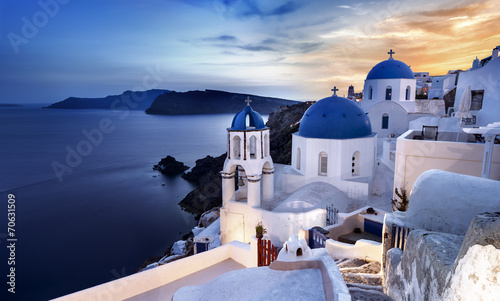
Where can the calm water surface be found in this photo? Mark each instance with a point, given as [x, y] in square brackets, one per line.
[107, 211]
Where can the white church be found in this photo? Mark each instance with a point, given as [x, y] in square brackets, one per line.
[333, 162]
[389, 98]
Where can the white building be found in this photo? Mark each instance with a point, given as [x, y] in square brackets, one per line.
[389, 98]
[248, 159]
[453, 151]
[484, 83]
[335, 144]
[436, 90]
[390, 80]
[334, 155]
[424, 82]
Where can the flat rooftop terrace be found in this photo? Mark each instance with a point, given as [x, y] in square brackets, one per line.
[167, 291]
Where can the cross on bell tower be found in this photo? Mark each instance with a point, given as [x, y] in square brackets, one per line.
[391, 53]
[248, 100]
[335, 90]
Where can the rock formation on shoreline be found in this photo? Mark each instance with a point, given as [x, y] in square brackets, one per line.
[170, 166]
[208, 191]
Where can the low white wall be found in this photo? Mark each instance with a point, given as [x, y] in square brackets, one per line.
[349, 221]
[414, 157]
[139, 283]
[280, 225]
[346, 225]
[363, 249]
[447, 202]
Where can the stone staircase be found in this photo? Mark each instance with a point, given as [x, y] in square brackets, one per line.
[363, 279]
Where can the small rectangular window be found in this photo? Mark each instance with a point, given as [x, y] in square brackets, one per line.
[323, 165]
[385, 122]
[476, 100]
[388, 94]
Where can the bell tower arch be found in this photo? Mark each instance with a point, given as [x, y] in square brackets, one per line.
[248, 171]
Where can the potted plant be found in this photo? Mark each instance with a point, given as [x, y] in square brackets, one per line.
[260, 230]
[402, 203]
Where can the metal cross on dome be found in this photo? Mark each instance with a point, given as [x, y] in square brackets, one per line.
[335, 90]
[391, 53]
[248, 100]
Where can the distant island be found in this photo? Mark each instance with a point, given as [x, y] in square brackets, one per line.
[166, 102]
[128, 100]
[212, 102]
[9, 105]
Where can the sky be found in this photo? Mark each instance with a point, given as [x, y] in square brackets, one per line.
[54, 49]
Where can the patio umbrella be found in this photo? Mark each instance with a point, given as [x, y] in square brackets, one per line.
[464, 106]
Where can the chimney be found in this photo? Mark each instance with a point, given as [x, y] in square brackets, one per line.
[494, 53]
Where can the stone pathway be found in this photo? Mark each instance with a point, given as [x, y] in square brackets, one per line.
[363, 279]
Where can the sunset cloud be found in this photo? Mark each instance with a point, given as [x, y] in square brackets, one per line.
[281, 48]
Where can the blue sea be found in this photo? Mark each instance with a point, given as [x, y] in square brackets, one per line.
[88, 206]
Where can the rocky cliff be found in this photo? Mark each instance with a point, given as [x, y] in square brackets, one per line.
[282, 124]
[212, 102]
[208, 191]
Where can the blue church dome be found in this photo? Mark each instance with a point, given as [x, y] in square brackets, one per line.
[240, 120]
[390, 68]
[335, 118]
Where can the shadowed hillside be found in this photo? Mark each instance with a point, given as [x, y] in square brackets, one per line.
[212, 102]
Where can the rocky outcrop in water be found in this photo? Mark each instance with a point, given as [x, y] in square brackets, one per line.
[170, 166]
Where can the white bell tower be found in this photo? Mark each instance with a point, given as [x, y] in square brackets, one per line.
[248, 172]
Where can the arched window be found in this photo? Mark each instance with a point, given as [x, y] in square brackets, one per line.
[355, 164]
[370, 92]
[408, 91]
[247, 121]
[298, 158]
[323, 164]
[385, 121]
[240, 179]
[388, 93]
[236, 147]
[253, 147]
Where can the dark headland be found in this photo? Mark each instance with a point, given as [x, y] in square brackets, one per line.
[166, 102]
[212, 102]
[128, 100]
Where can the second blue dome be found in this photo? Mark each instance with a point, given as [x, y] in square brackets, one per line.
[335, 118]
[390, 68]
